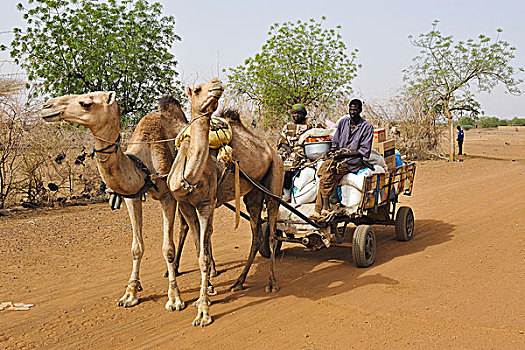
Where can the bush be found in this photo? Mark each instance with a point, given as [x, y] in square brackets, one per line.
[488, 122]
[466, 121]
[517, 122]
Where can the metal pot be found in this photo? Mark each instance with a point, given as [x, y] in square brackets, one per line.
[314, 150]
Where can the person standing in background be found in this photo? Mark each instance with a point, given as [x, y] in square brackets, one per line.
[460, 138]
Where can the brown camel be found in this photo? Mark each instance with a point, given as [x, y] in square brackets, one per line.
[128, 173]
[194, 177]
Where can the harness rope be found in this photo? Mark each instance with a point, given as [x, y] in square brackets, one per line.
[116, 198]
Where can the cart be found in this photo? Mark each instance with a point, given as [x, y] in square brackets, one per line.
[380, 196]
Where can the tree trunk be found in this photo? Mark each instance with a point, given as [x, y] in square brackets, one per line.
[447, 113]
[451, 128]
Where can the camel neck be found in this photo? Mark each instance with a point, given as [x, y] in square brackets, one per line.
[118, 171]
[107, 139]
[199, 149]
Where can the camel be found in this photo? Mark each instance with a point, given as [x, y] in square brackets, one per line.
[128, 173]
[194, 176]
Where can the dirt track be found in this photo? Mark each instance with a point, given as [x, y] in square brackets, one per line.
[460, 283]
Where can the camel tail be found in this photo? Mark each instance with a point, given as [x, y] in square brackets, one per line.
[230, 114]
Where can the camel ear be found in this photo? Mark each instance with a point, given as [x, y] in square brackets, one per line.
[188, 91]
[111, 97]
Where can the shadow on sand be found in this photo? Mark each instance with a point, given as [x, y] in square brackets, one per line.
[328, 272]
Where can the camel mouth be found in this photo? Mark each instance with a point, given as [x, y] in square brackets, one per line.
[51, 116]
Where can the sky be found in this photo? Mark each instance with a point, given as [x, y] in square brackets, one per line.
[222, 34]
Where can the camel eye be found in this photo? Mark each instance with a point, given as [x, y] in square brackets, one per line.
[85, 105]
[197, 90]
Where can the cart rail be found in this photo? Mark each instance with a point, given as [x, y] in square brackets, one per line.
[379, 189]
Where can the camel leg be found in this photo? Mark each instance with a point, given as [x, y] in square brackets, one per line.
[273, 210]
[205, 215]
[253, 201]
[169, 206]
[213, 269]
[274, 182]
[130, 298]
[183, 232]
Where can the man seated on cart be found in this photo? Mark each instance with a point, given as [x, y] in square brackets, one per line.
[288, 144]
[351, 143]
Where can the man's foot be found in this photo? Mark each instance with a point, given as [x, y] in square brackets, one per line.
[326, 213]
[315, 216]
[323, 215]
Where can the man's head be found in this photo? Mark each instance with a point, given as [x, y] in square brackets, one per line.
[354, 108]
[298, 113]
[459, 127]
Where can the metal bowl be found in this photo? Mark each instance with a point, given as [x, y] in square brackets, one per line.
[314, 150]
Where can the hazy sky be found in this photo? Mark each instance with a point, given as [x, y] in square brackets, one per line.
[222, 34]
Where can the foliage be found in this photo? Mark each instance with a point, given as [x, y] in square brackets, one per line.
[79, 46]
[517, 122]
[466, 121]
[448, 72]
[301, 62]
[488, 122]
[491, 122]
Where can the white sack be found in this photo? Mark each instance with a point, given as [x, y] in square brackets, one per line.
[352, 187]
[304, 177]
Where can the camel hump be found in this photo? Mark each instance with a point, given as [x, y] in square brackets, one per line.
[167, 103]
[230, 114]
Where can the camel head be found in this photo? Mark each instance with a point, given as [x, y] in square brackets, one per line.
[205, 97]
[96, 110]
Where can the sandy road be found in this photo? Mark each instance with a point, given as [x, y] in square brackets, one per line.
[460, 283]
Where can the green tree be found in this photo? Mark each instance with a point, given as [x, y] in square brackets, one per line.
[466, 120]
[448, 72]
[517, 121]
[78, 46]
[489, 122]
[301, 62]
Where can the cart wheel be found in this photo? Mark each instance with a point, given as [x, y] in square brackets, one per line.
[364, 245]
[404, 224]
[264, 248]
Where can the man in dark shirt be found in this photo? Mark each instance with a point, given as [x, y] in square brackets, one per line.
[351, 143]
[461, 135]
[288, 146]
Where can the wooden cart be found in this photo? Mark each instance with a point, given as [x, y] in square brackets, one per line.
[378, 207]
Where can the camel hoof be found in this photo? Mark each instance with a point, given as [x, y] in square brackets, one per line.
[202, 321]
[211, 290]
[271, 288]
[177, 305]
[237, 287]
[127, 301]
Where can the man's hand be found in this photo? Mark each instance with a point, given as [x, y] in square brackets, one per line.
[344, 153]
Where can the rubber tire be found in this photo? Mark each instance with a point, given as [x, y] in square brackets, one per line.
[404, 224]
[264, 248]
[364, 245]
